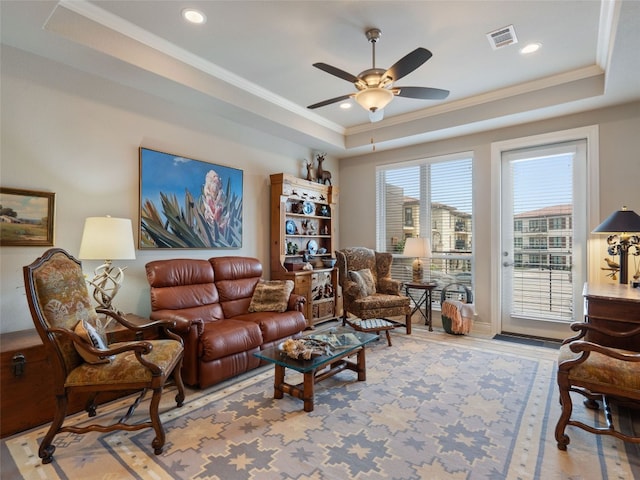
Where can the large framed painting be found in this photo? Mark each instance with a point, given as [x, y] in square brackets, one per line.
[187, 203]
[26, 217]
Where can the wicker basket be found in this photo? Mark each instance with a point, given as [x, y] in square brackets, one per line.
[458, 292]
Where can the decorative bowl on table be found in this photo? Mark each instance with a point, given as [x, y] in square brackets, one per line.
[329, 262]
[304, 348]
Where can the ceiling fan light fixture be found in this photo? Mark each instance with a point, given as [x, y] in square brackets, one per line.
[374, 99]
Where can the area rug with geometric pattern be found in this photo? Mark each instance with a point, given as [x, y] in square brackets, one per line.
[433, 406]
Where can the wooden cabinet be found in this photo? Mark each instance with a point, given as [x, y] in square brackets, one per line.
[302, 215]
[26, 392]
[616, 307]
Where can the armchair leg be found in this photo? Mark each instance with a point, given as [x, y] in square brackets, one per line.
[567, 407]
[177, 377]
[158, 442]
[90, 407]
[45, 452]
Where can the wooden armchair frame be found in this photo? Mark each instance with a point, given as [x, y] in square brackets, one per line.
[572, 377]
[154, 362]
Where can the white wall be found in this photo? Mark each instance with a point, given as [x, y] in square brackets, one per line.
[619, 138]
[77, 135]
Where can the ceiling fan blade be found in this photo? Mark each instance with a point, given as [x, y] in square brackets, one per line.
[330, 101]
[424, 93]
[337, 72]
[408, 64]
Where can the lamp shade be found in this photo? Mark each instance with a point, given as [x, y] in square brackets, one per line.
[374, 99]
[620, 221]
[107, 238]
[417, 247]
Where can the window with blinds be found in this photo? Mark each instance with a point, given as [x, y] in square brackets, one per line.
[431, 198]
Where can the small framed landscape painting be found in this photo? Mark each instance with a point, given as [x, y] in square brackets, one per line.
[187, 203]
[26, 217]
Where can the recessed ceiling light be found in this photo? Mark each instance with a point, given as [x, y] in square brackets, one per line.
[193, 16]
[530, 48]
[345, 105]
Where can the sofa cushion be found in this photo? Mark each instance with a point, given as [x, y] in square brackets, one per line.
[179, 284]
[271, 296]
[276, 326]
[226, 337]
[236, 279]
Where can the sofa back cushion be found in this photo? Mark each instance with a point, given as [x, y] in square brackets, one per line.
[236, 279]
[186, 285]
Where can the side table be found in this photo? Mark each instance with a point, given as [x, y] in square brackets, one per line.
[425, 290]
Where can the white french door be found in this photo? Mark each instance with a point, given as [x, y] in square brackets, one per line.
[543, 238]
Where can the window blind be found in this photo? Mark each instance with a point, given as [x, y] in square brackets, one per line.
[430, 198]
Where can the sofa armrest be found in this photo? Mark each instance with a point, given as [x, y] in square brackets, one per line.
[296, 302]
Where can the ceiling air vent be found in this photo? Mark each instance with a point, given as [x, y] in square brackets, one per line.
[502, 37]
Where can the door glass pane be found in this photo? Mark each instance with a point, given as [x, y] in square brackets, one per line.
[542, 206]
[543, 225]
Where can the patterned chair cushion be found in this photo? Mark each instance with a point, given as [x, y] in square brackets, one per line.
[365, 281]
[601, 369]
[125, 368]
[271, 296]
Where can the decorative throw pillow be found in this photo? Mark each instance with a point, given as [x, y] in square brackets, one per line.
[364, 279]
[271, 296]
[90, 335]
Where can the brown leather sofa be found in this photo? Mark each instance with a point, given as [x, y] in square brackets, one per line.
[209, 301]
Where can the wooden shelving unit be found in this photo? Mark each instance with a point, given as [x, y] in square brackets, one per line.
[302, 215]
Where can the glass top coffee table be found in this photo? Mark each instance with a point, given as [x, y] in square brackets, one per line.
[342, 344]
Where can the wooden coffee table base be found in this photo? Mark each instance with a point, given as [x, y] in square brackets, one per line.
[306, 390]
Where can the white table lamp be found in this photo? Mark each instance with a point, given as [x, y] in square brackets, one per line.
[419, 248]
[107, 239]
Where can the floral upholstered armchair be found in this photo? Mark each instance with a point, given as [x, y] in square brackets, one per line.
[368, 291]
[81, 360]
[600, 372]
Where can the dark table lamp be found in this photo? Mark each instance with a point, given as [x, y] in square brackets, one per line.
[620, 225]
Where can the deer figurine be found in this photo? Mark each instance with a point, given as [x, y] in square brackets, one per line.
[309, 171]
[323, 176]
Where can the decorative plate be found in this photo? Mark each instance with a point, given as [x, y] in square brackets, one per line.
[290, 227]
[308, 208]
[312, 247]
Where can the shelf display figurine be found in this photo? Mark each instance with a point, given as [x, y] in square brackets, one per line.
[310, 172]
[323, 176]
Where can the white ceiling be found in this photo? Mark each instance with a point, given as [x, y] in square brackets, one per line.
[252, 60]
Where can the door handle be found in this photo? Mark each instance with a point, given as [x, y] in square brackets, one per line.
[508, 264]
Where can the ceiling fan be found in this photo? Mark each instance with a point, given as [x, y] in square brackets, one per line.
[375, 85]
